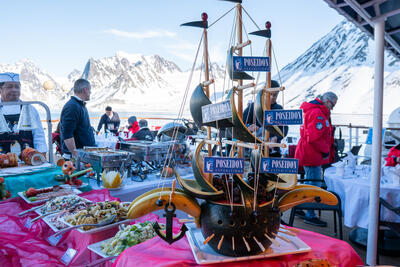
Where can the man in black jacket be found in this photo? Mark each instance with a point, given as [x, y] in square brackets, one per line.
[144, 133]
[254, 126]
[110, 120]
[76, 131]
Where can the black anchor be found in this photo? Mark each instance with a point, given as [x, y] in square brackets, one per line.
[168, 236]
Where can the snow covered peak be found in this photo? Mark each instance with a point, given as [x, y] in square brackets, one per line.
[131, 57]
[343, 62]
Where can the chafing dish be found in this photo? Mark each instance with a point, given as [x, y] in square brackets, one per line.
[101, 158]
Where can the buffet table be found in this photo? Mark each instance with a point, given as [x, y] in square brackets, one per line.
[20, 246]
[37, 179]
[353, 189]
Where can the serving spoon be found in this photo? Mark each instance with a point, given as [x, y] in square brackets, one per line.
[99, 224]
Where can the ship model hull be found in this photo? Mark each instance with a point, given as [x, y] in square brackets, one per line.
[243, 232]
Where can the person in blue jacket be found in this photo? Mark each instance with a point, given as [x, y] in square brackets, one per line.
[76, 131]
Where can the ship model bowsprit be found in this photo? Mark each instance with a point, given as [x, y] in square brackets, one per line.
[240, 205]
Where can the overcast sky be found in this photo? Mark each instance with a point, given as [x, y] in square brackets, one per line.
[62, 35]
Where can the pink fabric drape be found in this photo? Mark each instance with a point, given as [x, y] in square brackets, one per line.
[157, 253]
[22, 247]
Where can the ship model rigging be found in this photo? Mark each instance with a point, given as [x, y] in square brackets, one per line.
[239, 210]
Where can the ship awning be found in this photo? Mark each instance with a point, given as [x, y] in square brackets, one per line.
[364, 13]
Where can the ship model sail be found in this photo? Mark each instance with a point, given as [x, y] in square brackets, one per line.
[240, 205]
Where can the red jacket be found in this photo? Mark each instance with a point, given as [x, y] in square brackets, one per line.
[393, 154]
[316, 135]
[134, 128]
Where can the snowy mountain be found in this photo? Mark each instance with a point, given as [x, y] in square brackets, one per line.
[341, 61]
[32, 78]
[125, 81]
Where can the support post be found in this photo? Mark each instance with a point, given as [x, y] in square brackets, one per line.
[372, 245]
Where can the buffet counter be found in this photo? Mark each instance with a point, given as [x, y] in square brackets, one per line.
[37, 179]
[20, 246]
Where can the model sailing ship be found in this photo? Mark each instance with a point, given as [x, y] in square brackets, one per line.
[240, 211]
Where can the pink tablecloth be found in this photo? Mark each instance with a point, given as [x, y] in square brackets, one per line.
[157, 253]
[22, 247]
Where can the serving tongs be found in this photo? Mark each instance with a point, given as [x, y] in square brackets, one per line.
[44, 215]
[31, 209]
[35, 208]
[102, 223]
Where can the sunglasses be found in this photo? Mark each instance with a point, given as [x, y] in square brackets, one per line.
[331, 103]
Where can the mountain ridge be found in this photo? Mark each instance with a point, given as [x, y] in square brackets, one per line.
[341, 61]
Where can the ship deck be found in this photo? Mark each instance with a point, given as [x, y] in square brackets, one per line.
[329, 231]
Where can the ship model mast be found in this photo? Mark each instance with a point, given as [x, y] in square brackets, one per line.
[240, 216]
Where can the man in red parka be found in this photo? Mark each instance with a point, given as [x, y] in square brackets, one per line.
[315, 147]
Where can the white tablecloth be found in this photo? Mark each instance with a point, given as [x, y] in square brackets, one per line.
[102, 141]
[354, 193]
[131, 189]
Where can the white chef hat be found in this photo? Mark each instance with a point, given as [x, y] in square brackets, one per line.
[9, 77]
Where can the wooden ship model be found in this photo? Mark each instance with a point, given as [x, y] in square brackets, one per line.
[238, 211]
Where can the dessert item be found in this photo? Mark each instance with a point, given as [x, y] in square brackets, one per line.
[32, 157]
[8, 160]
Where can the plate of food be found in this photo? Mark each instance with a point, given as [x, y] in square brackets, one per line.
[126, 237]
[35, 196]
[53, 220]
[96, 213]
[204, 254]
[63, 203]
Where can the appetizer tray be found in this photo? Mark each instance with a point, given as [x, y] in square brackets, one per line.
[98, 229]
[96, 248]
[40, 212]
[204, 254]
[24, 169]
[51, 224]
[21, 194]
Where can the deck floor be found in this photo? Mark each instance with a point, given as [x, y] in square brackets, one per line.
[329, 231]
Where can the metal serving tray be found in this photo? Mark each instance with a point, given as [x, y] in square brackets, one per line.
[104, 158]
[146, 150]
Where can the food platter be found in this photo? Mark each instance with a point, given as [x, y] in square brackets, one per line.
[96, 248]
[125, 238]
[40, 212]
[98, 229]
[204, 254]
[24, 169]
[27, 200]
[51, 224]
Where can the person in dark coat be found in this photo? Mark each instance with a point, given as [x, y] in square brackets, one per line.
[254, 125]
[110, 120]
[76, 131]
[144, 133]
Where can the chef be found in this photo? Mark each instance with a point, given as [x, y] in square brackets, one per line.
[12, 138]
